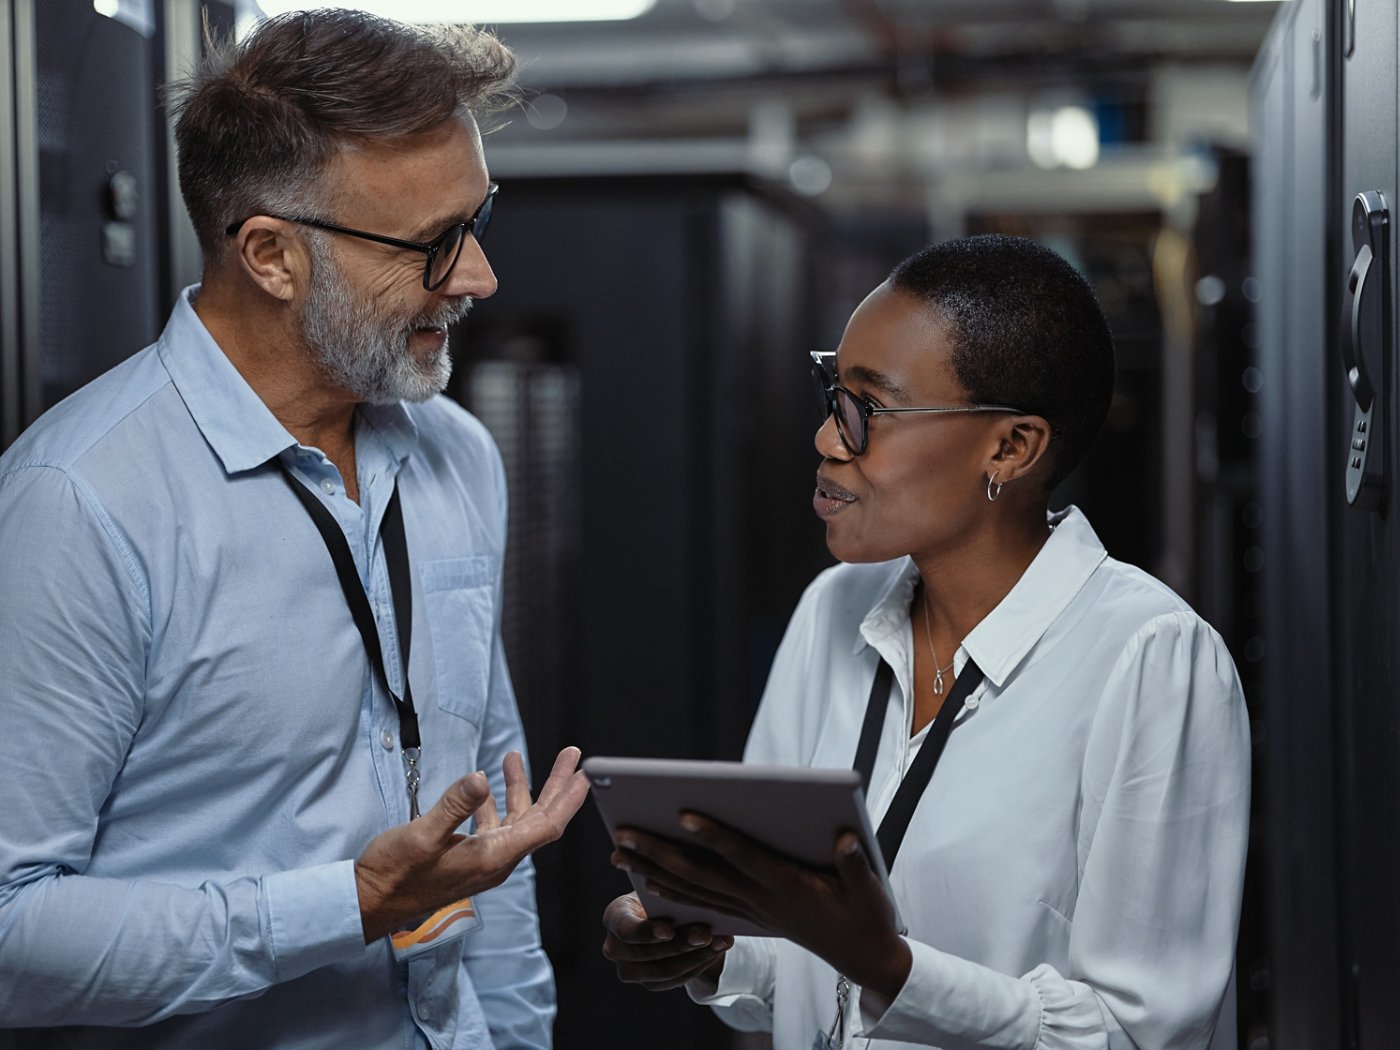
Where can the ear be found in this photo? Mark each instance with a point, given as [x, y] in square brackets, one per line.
[273, 257]
[1023, 445]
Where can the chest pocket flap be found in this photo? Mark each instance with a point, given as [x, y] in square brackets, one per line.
[459, 595]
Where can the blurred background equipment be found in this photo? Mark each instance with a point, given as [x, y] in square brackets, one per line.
[694, 194]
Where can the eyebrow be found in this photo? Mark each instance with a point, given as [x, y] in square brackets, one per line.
[878, 380]
[434, 227]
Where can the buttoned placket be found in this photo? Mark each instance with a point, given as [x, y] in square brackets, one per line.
[360, 524]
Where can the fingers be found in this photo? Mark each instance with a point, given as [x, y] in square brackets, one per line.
[458, 803]
[626, 919]
[863, 886]
[517, 785]
[567, 799]
[742, 852]
[662, 974]
[853, 865]
[565, 763]
[674, 864]
[711, 902]
[488, 816]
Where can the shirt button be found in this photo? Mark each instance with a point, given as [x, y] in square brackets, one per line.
[329, 487]
[425, 1010]
[972, 703]
[387, 739]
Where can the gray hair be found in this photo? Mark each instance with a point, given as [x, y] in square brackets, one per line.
[257, 123]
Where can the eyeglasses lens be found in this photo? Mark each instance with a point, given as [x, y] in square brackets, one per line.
[441, 263]
[482, 218]
[821, 387]
[850, 420]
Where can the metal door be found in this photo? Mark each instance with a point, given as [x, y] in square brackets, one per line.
[1363, 502]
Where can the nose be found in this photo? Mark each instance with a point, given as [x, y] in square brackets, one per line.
[828, 441]
[472, 276]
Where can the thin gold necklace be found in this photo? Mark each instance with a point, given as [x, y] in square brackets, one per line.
[928, 635]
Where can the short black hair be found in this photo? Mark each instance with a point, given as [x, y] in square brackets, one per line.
[1027, 330]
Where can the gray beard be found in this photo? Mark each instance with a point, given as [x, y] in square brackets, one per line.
[364, 351]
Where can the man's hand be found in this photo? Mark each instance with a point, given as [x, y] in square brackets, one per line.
[410, 871]
[649, 953]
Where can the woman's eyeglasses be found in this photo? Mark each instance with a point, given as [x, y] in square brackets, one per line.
[853, 413]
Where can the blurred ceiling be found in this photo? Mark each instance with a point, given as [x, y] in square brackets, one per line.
[914, 44]
[925, 104]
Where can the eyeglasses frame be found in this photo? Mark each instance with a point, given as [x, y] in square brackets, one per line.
[481, 216]
[824, 374]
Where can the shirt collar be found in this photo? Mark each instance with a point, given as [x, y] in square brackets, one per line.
[1001, 641]
[241, 430]
[395, 427]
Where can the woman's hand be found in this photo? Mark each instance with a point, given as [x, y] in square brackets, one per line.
[655, 954]
[845, 918]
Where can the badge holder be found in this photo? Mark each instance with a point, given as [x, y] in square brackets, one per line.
[442, 926]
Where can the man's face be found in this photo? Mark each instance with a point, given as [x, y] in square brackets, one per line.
[367, 320]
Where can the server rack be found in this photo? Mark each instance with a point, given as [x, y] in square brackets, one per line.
[654, 330]
[1325, 96]
[85, 241]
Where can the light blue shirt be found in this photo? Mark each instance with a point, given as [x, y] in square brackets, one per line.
[194, 746]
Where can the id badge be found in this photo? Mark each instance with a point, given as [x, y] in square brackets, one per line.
[445, 924]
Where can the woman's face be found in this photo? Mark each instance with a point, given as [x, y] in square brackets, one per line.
[919, 487]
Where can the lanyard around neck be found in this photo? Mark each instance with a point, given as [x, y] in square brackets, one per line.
[391, 533]
[896, 820]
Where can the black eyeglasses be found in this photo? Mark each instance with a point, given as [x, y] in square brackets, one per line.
[442, 251]
[853, 413]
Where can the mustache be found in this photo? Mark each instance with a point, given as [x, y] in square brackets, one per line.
[447, 314]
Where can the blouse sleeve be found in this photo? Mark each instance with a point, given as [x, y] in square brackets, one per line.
[1163, 833]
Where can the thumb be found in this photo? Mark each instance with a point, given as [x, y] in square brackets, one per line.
[852, 864]
[458, 803]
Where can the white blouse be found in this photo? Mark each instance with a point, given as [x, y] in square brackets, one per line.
[1072, 875]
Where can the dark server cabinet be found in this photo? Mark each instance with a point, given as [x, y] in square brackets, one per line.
[1326, 192]
[1301, 972]
[1366, 534]
[644, 369]
[79, 187]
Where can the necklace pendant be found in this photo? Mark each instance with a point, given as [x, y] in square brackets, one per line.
[937, 682]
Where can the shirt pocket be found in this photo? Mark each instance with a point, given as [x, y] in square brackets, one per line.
[459, 595]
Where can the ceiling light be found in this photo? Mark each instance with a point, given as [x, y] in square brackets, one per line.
[1066, 137]
[489, 12]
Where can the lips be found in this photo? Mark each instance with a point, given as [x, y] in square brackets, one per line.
[830, 498]
[828, 489]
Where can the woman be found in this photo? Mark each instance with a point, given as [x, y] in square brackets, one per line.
[1071, 873]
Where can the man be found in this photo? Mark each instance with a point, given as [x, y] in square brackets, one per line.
[206, 839]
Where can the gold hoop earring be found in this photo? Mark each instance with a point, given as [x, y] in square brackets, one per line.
[994, 487]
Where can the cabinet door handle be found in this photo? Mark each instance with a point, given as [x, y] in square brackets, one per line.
[1365, 343]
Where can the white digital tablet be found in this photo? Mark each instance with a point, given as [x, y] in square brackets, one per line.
[795, 811]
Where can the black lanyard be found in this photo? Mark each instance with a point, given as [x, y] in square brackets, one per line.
[391, 532]
[911, 788]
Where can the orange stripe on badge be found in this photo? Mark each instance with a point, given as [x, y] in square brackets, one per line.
[436, 923]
